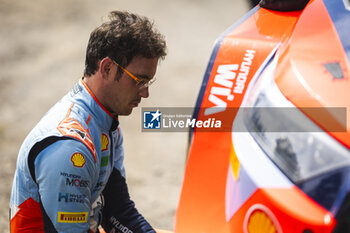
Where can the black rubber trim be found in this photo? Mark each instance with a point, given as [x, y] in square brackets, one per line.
[284, 5]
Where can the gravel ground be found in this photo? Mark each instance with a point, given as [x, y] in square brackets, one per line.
[42, 49]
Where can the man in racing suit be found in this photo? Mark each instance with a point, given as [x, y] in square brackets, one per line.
[70, 175]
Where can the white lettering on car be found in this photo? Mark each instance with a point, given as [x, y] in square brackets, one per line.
[226, 80]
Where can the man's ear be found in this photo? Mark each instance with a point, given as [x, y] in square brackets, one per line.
[105, 67]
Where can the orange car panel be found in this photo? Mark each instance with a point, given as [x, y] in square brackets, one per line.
[302, 76]
[202, 202]
[306, 40]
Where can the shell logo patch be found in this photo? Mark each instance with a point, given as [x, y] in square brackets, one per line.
[260, 219]
[78, 160]
[104, 142]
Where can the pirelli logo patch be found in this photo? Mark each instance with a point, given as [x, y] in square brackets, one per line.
[72, 217]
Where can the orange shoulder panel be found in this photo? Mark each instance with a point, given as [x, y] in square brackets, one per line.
[70, 127]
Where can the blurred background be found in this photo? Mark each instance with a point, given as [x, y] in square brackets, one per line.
[42, 52]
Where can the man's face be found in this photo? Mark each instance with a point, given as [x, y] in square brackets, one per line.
[122, 95]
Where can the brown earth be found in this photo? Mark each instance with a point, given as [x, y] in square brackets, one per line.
[42, 47]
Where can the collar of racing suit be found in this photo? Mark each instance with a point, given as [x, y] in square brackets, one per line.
[106, 119]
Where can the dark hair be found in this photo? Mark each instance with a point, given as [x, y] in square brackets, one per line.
[123, 37]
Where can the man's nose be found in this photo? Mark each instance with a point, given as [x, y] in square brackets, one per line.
[143, 92]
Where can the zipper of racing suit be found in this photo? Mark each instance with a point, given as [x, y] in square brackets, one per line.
[98, 220]
[114, 126]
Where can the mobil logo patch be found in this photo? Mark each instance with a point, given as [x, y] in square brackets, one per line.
[77, 182]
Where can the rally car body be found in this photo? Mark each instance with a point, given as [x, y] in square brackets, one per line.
[247, 179]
